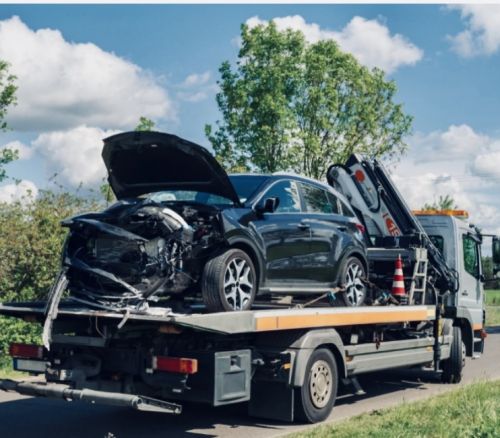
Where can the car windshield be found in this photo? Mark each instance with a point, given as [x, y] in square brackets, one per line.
[190, 196]
[246, 185]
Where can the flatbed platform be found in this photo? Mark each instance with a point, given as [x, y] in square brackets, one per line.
[251, 321]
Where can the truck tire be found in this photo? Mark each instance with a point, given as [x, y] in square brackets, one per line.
[350, 277]
[229, 282]
[314, 400]
[453, 366]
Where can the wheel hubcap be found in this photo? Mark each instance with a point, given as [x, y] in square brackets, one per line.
[238, 283]
[320, 384]
[355, 288]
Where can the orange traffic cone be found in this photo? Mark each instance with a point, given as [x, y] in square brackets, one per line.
[398, 284]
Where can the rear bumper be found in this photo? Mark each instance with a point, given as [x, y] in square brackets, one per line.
[63, 392]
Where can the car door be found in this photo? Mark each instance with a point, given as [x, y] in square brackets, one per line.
[471, 291]
[328, 227]
[285, 236]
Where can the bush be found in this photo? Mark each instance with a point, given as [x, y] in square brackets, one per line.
[31, 240]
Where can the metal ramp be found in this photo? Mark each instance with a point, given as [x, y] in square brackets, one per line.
[419, 279]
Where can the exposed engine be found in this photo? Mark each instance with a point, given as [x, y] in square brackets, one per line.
[136, 252]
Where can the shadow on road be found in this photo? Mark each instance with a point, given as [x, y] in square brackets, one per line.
[50, 418]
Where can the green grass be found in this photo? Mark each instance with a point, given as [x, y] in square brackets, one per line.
[471, 411]
[492, 315]
[492, 297]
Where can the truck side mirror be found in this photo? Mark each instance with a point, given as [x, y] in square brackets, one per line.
[496, 254]
[269, 205]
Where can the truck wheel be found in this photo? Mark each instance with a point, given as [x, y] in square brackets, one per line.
[229, 282]
[314, 400]
[351, 277]
[453, 366]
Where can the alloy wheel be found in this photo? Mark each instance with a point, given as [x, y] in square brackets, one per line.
[355, 288]
[238, 283]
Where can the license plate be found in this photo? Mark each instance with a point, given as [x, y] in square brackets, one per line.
[33, 366]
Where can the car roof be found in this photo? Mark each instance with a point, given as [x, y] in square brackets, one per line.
[286, 175]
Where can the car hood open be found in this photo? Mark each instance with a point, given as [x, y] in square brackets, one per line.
[141, 162]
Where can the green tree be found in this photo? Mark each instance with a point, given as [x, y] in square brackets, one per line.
[7, 98]
[290, 105]
[145, 124]
[443, 203]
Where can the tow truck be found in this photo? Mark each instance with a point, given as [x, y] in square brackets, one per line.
[285, 360]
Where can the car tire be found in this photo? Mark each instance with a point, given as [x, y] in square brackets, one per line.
[229, 282]
[453, 366]
[351, 274]
[314, 400]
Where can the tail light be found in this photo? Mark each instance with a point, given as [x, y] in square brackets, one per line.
[175, 364]
[26, 351]
[360, 228]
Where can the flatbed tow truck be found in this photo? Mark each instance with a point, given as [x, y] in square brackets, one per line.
[285, 360]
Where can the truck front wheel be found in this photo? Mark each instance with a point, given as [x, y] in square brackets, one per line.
[314, 400]
[453, 366]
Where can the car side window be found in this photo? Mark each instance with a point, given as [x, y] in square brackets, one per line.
[471, 260]
[316, 200]
[346, 211]
[288, 194]
[334, 202]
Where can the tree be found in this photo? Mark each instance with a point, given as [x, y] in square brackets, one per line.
[291, 105]
[145, 124]
[443, 203]
[7, 98]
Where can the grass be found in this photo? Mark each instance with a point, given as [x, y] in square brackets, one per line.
[471, 411]
[6, 371]
[492, 297]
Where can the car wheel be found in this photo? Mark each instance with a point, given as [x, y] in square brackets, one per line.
[352, 276]
[314, 400]
[229, 282]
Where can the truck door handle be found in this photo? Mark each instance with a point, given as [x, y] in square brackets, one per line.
[304, 226]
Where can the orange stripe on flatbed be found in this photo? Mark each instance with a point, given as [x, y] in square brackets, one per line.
[279, 322]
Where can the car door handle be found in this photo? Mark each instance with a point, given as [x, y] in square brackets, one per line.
[342, 228]
[304, 226]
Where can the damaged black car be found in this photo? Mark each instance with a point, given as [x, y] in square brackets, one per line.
[182, 227]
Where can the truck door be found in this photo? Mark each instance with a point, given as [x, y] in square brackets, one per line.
[471, 288]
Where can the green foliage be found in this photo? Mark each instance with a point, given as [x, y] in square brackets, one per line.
[31, 241]
[145, 124]
[491, 281]
[471, 411]
[7, 98]
[16, 330]
[290, 105]
[443, 203]
[7, 92]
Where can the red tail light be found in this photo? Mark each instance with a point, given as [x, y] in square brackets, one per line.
[175, 364]
[26, 351]
[360, 228]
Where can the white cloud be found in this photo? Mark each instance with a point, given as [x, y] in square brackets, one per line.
[23, 191]
[196, 79]
[64, 84]
[482, 30]
[368, 40]
[75, 155]
[459, 162]
[24, 152]
[457, 142]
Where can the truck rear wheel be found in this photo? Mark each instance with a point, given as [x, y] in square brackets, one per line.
[453, 366]
[229, 282]
[314, 400]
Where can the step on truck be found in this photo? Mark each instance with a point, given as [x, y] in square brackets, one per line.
[285, 360]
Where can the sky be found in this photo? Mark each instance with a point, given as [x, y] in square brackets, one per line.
[88, 71]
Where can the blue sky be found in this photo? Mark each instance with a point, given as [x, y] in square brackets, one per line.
[110, 63]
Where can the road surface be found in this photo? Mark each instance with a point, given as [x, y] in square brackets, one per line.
[31, 417]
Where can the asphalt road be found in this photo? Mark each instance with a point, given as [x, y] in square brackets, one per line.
[31, 417]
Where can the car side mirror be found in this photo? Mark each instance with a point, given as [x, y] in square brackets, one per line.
[496, 254]
[269, 205]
